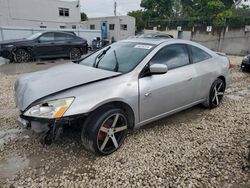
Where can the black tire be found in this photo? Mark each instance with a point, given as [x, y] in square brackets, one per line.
[46, 139]
[22, 56]
[75, 54]
[99, 136]
[216, 94]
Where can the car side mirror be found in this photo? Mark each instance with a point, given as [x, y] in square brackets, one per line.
[158, 69]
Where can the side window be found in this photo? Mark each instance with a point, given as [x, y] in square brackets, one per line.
[47, 37]
[198, 54]
[173, 56]
[62, 36]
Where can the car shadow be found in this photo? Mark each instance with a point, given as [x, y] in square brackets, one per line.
[185, 116]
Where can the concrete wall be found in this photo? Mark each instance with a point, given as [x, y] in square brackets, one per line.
[7, 33]
[233, 41]
[227, 40]
[117, 33]
[34, 13]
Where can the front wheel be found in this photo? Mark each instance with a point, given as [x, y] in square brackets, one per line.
[105, 130]
[22, 56]
[216, 94]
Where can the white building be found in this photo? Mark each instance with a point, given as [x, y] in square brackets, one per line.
[40, 13]
[242, 2]
[118, 27]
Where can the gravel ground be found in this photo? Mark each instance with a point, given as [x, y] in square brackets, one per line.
[194, 148]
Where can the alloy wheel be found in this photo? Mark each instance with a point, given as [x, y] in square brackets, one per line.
[75, 54]
[218, 93]
[22, 56]
[112, 133]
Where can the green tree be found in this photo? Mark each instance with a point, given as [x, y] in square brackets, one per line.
[158, 8]
[83, 16]
[189, 12]
[139, 16]
[214, 11]
[228, 3]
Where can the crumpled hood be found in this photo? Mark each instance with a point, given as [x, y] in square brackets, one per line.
[33, 86]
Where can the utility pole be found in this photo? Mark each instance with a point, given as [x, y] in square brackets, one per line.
[115, 6]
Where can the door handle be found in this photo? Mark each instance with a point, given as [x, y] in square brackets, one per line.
[148, 94]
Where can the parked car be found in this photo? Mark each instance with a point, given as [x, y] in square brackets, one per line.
[156, 35]
[123, 86]
[245, 65]
[44, 45]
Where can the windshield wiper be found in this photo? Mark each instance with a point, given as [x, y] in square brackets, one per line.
[100, 56]
[116, 62]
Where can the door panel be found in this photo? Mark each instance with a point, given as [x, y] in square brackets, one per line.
[160, 94]
[53, 45]
[46, 46]
[204, 78]
[205, 67]
[64, 43]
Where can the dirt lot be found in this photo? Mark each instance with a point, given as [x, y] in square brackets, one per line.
[194, 148]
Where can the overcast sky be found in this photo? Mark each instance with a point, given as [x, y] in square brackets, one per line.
[99, 8]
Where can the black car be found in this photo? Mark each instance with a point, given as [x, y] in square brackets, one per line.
[44, 45]
[245, 65]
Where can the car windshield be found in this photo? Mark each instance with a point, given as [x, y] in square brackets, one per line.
[118, 57]
[34, 36]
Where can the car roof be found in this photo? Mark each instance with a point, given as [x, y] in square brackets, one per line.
[65, 32]
[158, 41]
[153, 41]
[155, 35]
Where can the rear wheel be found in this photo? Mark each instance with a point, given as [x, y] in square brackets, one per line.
[216, 94]
[75, 54]
[105, 130]
[22, 56]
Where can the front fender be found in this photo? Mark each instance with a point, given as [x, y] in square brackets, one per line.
[90, 97]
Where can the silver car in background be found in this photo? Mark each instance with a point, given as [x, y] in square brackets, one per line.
[122, 86]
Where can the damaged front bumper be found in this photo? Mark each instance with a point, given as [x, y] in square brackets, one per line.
[49, 130]
[7, 53]
[38, 125]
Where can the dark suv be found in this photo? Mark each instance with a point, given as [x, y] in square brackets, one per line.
[44, 45]
[245, 65]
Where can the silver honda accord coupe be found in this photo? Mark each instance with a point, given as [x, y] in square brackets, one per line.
[120, 87]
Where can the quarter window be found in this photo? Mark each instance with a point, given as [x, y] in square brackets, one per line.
[173, 56]
[198, 54]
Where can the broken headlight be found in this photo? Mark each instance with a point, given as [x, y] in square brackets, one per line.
[52, 109]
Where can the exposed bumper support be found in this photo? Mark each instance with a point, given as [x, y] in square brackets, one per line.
[48, 129]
